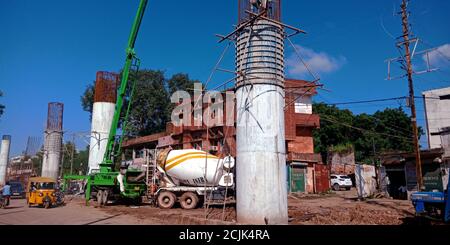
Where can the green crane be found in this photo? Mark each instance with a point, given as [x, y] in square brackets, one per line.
[109, 153]
[104, 184]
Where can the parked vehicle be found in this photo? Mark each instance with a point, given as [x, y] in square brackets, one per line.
[17, 190]
[42, 192]
[341, 181]
[182, 178]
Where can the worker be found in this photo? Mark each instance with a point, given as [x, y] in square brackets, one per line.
[6, 192]
[120, 178]
[403, 193]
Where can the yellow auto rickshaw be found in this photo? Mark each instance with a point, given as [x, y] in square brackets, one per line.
[42, 192]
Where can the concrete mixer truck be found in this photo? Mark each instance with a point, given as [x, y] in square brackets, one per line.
[190, 176]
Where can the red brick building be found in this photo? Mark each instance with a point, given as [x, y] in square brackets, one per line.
[306, 173]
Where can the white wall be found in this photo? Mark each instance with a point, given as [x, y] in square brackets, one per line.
[304, 105]
[366, 184]
[437, 114]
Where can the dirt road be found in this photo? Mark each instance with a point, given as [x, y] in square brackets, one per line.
[74, 213]
[341, 208]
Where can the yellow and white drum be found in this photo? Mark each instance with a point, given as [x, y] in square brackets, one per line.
[188, 167]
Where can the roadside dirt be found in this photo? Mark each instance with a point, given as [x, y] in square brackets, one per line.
[341, 208]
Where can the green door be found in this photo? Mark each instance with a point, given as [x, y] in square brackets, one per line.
[432, 177]
[297, 179]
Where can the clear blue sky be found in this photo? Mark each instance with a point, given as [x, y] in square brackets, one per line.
[50, 50]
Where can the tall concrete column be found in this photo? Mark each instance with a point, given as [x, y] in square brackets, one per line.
[102, 115]
[4, 157]
[53, 141]
[52, 154]
[261, 146]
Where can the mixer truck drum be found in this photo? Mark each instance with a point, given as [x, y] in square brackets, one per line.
[166, 200]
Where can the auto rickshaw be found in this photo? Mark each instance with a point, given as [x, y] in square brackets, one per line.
[42, 192]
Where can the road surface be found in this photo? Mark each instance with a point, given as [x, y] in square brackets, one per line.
[74, 213]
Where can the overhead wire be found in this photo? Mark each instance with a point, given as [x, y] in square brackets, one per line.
[336, 121]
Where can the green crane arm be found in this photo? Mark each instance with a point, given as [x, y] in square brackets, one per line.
[109, 153]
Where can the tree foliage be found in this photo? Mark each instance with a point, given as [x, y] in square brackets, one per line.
[149, 110]
[387, 130]
[87, 99]
[80, 159]
[151, 107]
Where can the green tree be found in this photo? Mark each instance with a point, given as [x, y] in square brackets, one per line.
[332, 133]
[151, 107]
[87, 99]
[149, 111]
[181, 82]
[80, 159]
[387, 130]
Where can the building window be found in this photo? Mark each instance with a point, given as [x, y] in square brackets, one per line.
[303, 105]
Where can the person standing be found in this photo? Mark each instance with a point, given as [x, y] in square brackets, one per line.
[6, 192]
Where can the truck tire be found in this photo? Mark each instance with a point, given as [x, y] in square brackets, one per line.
[99, 197]
[189, 200]
[47, 203]
[105, 197]
[166, 200]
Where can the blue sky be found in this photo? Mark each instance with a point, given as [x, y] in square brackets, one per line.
[50, 50]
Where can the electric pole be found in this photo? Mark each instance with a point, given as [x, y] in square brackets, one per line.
[71, 157]
[409, 69]
[375, 164]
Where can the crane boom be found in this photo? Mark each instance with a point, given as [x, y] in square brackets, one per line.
[130, 55]
[103, 184]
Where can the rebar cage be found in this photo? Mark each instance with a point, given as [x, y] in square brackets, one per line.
[55, 116]
[273, 9]
[106, 87]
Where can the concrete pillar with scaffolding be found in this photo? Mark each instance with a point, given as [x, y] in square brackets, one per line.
[53, 137]
[261, 148]
[4, 157]
[105, 97]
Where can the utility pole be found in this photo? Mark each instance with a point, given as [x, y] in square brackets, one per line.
[71, 154]
[61, 164]
[375, 164]
[409, 69]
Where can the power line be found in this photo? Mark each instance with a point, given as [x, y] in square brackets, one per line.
[437, 50]
[368, 101]
[379, 100]
[327, 118]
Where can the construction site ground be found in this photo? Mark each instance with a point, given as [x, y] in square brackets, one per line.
[336, 208]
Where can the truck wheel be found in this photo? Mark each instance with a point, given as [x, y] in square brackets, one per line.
[166, 200]
[336, 187]
[47, 204]
[99, 197]
[189, 200]
[105, 197]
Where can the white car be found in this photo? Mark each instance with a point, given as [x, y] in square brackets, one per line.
[341, 181]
